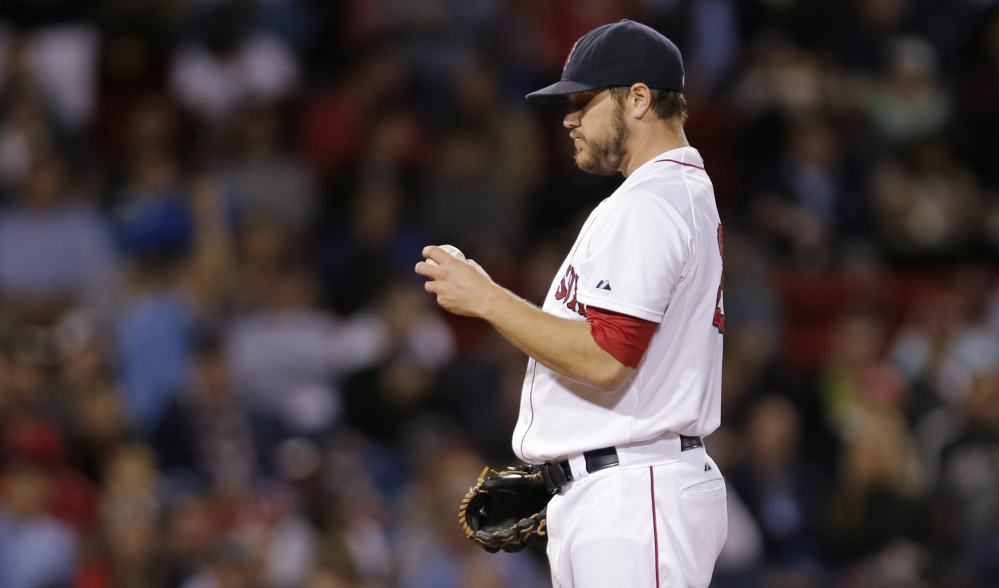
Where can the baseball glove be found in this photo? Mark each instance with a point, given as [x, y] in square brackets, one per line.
[506, 510]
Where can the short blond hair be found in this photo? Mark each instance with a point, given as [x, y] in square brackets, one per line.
[667, 104]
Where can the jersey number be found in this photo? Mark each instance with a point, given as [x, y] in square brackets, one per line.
[719, 315]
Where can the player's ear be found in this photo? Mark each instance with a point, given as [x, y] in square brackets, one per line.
[640, 100]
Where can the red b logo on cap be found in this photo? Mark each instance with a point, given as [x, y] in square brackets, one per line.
[569, 56]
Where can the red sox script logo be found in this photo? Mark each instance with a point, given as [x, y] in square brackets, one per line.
[567, 291]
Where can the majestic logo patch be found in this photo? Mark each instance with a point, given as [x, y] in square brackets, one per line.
[604, 285]
[566, 292]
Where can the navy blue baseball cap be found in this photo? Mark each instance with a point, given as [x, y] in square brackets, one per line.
[618, 54]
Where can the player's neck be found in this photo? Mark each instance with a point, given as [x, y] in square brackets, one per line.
[650, 143]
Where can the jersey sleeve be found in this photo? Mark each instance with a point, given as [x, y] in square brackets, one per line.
[625, 337]
[637, 255]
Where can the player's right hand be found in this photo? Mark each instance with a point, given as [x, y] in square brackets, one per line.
[461, 286]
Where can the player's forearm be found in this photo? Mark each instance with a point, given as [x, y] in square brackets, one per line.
[563, 345]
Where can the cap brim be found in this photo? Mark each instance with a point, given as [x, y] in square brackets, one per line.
[557, 93]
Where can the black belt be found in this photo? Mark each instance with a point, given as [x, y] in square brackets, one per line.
[558, 473]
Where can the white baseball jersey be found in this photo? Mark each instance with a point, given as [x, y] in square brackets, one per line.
[652, 250]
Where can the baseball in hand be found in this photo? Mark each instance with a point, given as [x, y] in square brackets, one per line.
[450, 249]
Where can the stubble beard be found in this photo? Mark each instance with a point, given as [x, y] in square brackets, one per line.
[604, 155]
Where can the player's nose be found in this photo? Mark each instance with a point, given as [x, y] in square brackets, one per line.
[571, 120]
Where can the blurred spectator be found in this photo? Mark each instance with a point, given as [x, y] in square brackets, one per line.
[866, 28]
[70, 497]
[153, 215]
[230, 63]
[288, 355]
[131, 484]
[230, 565]
[148, 134]
[396, 146]
[714, 46]
[818, 194]
[468, 201]
[782, 492]
[54, 51]
[154, 335]
[206, 432]
[383, 399]
[968, 468]
[336, 121]
[751, 370]
[189, 533]
[357, 261]
[36, 550]
[264, 181]
[819, 179]
[784, 77]
[287, 542]
[81, 348]
[130, 512]
[857, 343]
[943, 346]
[439, 38]
[416, 330]
[98, 428]
[750, 294]
[803, 183]
[354, 518]
[881, 482]
[132, 67]
[54, 251]
[183, 265]
[26, 133]
[512, 130]
[484, 391]
[26, 393]
[928, 206]
[909, 104]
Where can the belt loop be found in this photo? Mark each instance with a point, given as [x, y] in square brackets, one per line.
[578, 465]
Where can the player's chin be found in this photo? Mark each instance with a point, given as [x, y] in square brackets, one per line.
[591, 166]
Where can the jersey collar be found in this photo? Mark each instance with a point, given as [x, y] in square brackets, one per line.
[683, 155]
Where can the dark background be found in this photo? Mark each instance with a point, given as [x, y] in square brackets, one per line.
[217, 369]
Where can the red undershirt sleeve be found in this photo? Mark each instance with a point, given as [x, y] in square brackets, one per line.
[625, 337]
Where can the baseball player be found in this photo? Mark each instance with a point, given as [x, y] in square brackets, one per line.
[624, 376]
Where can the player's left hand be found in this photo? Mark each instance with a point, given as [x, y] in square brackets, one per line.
[461, 286]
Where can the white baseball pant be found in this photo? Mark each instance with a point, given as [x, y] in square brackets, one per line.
[655, 521]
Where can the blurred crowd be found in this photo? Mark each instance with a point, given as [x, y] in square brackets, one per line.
[218, 370]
